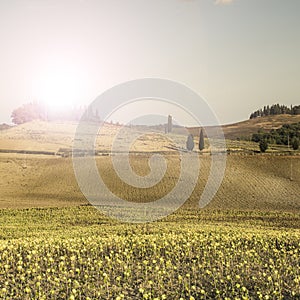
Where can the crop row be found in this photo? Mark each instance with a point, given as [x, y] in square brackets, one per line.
[161, 265]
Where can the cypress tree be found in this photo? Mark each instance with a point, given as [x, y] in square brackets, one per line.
[201, 141]
[190, 142]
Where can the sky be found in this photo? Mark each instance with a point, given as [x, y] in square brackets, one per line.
[238, 55]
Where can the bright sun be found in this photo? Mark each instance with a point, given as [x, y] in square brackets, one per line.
[60, 85]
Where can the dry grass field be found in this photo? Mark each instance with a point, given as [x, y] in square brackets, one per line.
[248, 127]
[251, 182]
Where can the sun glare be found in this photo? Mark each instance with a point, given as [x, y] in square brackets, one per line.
[61, 85]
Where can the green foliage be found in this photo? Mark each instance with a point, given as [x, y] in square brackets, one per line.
[295, 143]
[201, 140]
[263, 145]
[190, 142]
[280, 136]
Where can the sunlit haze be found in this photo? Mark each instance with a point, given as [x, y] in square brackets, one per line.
[238, 55]
[60, 84]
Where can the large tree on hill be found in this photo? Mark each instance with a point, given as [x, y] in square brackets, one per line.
[201, 140]
[27, 113]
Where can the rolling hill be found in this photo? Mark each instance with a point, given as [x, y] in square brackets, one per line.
[246, 128]
[252, 182]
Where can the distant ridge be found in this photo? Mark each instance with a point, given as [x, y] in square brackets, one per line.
[245, 129]
[62, 133]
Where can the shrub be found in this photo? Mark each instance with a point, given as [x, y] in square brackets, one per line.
[263, 146]
[295, 144]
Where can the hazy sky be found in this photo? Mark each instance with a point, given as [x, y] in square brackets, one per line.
[239, 55]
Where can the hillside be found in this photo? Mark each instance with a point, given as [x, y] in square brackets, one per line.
[53, 136]
[57, 138]
[62, 133]
[259, 182]
[246, 128]
[38, 135]
[252, 182]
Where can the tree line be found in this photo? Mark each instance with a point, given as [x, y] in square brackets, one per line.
[36, 111]
[276, 109]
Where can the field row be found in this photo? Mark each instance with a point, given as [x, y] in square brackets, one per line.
[250, 182]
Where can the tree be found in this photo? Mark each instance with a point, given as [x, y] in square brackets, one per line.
[295, 143]
[296, 110]
[201, 141]
[27, 113]
[263, 145]
[190, 142]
